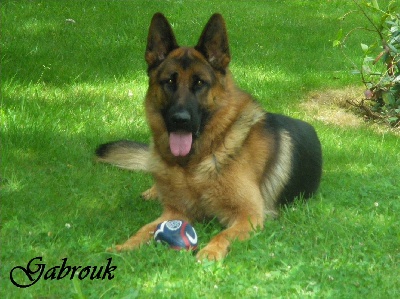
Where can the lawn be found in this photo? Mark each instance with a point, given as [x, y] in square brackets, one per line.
[73, 76]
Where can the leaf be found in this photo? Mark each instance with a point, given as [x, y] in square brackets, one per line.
[339, 34]
[366, 70]
[393, 49]
[389, 98]
[368, 59]
[336, 43]
[364, 47]
[375, 4]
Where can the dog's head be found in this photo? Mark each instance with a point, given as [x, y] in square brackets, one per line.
[182, 79]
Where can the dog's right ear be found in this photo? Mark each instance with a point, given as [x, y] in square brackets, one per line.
[160, 41]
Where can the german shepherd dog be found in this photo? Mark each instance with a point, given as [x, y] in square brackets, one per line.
[214, 151]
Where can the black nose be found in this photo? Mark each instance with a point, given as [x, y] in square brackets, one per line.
[181, 117]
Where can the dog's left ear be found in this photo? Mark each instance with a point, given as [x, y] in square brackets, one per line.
[213, 43]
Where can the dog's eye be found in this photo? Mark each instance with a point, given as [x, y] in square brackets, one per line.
[169, 83]
[198, 84]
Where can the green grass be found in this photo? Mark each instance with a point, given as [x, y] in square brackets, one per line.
[67, 87]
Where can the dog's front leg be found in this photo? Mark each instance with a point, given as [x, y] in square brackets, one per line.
[240, 229]
[146, 232]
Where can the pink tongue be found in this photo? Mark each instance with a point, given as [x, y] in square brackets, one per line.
[180, 143]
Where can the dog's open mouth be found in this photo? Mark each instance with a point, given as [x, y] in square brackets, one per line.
[180, 143]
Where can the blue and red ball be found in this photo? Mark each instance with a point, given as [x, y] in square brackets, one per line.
[177, 234]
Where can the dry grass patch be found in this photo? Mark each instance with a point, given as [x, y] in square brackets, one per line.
[333, 107]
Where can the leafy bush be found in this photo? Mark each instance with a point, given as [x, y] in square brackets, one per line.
[380, 63]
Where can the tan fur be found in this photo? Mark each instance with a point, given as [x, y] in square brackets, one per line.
[278, 176]
[122, 157]
[150, 194]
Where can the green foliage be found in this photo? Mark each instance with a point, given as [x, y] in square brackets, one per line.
[380, 63]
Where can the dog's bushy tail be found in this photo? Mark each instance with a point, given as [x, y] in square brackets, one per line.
[124, 154]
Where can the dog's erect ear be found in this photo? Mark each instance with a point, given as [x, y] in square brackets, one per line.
[213, 43]
[160, 41]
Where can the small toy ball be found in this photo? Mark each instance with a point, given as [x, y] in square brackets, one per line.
[177, 234]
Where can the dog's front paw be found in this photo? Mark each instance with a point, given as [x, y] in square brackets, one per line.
[116, 248]
[212, 253]
[123, 247]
